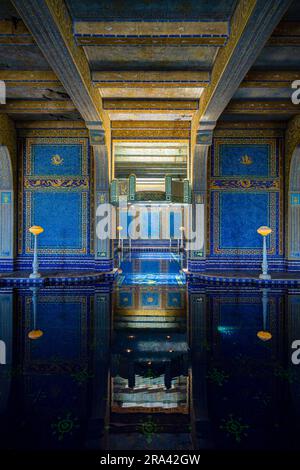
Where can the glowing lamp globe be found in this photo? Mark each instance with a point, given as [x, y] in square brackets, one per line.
[264, 230]
[36, 230]
[119, 228]
[35, 334]
[181, 229]
[264, 335]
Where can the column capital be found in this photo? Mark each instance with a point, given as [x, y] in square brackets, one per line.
[204, 133]
[96, 132]
[204, 137]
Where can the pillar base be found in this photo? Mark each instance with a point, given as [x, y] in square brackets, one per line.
[265, 276]
[35, 276]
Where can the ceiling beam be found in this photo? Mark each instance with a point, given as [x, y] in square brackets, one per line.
[14, 32]
[152, 105]
[150, 129]
[156, 33]
[50, 24]
[28, 78]
[37, 107]
[151, 28]
[50, 125]
[287, 33]
[216, 41]
[134, 79]
[270, 107]
[270, 79]
[251, 26]
[150, 124]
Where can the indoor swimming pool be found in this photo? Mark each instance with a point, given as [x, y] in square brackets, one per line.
[149, 365]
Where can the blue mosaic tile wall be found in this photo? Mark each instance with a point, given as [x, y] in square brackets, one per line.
[245, 190]
[55, 193]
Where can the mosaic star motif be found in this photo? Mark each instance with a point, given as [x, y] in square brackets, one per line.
[234, 427]
[148, 427]
[65, 426]
[217, 376]
[82, 376]
[285, 374]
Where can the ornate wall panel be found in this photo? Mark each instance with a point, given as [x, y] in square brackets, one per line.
[245, 192]
[55, 188]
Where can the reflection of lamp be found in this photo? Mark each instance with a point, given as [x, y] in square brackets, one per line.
[264, 335]
[35, 230]
[35, 333]
[264, 232]
[119, 229]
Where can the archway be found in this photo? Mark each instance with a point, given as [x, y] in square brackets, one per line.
[6, 210]
[294, 207]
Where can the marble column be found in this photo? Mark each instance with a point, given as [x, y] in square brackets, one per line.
[196, 258]
[6, 211]
[103, 247]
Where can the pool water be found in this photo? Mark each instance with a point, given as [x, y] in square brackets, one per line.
[149, 365]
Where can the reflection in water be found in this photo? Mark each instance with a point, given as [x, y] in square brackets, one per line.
[149, 367]
[35, 333]
[2, 352]
[6, 347]
[150, 351]
[263, 334]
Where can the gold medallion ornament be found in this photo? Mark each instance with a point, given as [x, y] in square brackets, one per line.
[246, 160]
[57, 160]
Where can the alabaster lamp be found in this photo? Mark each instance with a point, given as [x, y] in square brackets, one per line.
[36, 230]
[264, 232]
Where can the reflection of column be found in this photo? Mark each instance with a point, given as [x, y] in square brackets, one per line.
[168, 375]
[100, 399]
[198, 346]
[103, 247]
[6, 331]
[131, 373]
[293, 333]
